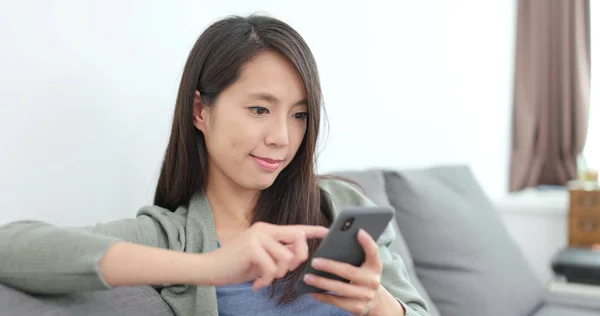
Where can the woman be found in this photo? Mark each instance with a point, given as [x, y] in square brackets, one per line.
[238, 208]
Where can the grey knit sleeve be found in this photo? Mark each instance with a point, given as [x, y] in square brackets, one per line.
[41, 258]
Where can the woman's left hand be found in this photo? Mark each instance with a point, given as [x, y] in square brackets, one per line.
[364, 295]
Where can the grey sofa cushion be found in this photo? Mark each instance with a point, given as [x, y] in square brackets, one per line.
[372, 183]
[125, 301]
[557, 310]
[463, 255]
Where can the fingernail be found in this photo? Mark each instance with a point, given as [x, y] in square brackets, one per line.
[308, 278]
[362, 232]
[317, 263]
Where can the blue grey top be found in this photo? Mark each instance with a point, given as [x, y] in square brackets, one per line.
[241, 299]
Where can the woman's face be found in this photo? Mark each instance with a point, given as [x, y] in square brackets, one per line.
[257, 124]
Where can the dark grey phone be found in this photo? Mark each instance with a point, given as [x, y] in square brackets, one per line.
[341, 244]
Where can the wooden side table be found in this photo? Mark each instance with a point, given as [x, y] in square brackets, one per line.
[584, 217]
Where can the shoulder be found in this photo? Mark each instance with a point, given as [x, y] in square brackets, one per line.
[165, 216]
[342, 194]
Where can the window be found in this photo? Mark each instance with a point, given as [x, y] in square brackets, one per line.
[592, 146]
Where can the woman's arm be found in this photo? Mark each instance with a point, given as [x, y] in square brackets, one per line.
[38, 257]
[127, 264]
[395, 280]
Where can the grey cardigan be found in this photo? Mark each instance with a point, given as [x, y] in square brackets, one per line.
[38, 257]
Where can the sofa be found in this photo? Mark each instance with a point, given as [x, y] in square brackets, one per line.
[457, 252]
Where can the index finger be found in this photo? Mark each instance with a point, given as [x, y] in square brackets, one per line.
[288, 233]
[312, 231]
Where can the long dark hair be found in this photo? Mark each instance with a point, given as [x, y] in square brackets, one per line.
[213, 64]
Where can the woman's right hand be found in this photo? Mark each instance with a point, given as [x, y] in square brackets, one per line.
[261, 254]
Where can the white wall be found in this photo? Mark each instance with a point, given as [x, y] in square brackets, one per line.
[538, 222]
[592, 147]
[437, 89]
[87, 91]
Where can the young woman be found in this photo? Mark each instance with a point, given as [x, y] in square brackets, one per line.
[238, 208]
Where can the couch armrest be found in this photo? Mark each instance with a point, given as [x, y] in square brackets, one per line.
[141, 301]
[13, 303]
[575, 295]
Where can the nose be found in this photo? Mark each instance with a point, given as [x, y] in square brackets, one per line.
[278, 133]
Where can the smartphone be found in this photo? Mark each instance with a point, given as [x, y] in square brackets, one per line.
[341, 243]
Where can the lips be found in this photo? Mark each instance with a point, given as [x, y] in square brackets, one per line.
[270, 160]
[267, 163]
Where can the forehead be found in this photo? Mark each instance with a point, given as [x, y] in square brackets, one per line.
[270, 73]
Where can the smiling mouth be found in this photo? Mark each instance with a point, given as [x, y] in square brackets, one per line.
[267, 163]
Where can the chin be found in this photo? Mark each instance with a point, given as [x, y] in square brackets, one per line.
[261, 182]
[262, 185]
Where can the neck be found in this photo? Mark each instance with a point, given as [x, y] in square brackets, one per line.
[230, 203]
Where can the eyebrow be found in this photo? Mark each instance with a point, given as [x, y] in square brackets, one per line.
[273, 99]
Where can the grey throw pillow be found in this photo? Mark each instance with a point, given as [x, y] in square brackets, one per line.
[463, 255]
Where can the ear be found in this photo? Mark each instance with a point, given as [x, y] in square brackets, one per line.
[200, 113]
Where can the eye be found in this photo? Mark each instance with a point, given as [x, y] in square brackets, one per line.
[259, 110]
[301, 115]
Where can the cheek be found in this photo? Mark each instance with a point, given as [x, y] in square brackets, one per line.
[296, 134]
[242, 139]
[227, 136]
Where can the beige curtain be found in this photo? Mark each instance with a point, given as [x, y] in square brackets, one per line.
[551, 92]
